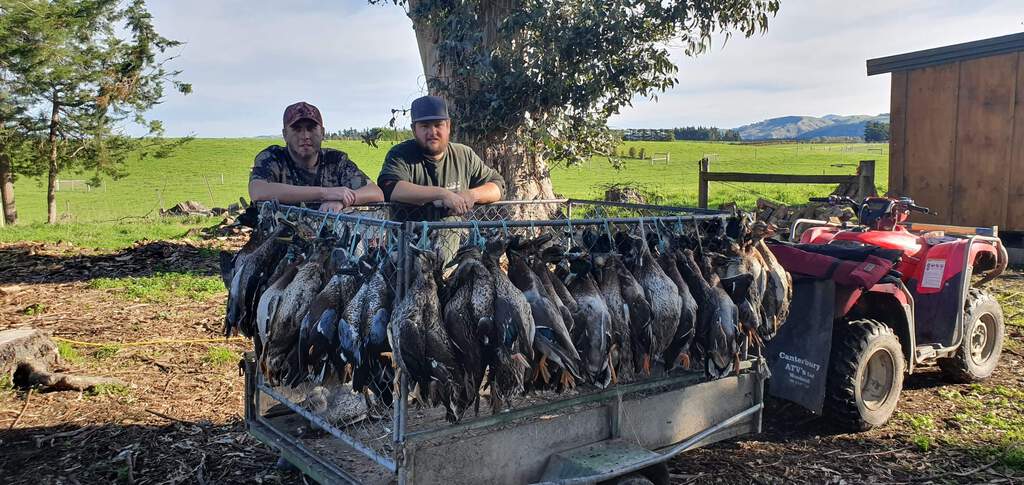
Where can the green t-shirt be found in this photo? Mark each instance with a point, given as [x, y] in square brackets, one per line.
[459, 169]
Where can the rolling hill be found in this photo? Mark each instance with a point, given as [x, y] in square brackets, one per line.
[809, 127]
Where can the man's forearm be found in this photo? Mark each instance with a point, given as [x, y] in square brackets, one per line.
[369, 193]
[284, 193]
[487, 193]
[414, 194]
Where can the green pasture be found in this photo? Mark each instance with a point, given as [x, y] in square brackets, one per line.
[215, 172]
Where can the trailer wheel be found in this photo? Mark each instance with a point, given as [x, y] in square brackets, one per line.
[982, 344]
[865, 375]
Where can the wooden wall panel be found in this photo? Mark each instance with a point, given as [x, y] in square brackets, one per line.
[1015, 196]
[984, 130]
[930, 138]
[897, 132]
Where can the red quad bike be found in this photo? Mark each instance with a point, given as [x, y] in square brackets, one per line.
[929, 307]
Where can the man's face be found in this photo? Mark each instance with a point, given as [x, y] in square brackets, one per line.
[304, 138]
[432, 136]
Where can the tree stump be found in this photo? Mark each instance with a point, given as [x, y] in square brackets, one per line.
[25, 345]
[27, 356]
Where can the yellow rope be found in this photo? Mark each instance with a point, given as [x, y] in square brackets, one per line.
[153, 342]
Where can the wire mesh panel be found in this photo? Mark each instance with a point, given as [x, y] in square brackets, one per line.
[321, 340]
[357, 328]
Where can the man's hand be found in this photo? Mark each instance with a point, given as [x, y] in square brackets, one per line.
[470, 199]
[456, 203]
[332, 206]
[345, 195]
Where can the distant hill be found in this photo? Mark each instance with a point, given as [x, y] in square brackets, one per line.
[809, 127]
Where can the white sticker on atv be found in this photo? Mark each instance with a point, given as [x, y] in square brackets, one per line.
[933, 270]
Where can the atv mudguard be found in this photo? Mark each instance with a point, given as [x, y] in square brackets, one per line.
[941, 282]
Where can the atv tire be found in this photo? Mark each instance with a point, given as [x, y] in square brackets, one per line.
[982, 344]
[865, 375]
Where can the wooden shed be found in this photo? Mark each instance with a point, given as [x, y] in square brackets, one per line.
[957, 131]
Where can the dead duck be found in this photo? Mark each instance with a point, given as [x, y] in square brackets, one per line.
[678, 351]
[419, 340]
[661, 292]
[539, 264]
[508, 344]
[267, 310]
[778, 293]
[318, 331]
[717, 319]
[552, 339]
[621, 351]
[468, 312]
[246, 272]
[374, 369]
[294, 303]
[593, 321]
[640, 317]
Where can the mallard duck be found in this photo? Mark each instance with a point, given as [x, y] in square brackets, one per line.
[678, 351]
[282, 347]
[508, 343]
[778, 293]
[640, 316]
[267, 311]
[661, 292]
[467, 314]
[418, 337]
[318, 331]
[552, 339]
[247, 271]
[621, 352]
[593, 320]
[717, 319]
[374, 368]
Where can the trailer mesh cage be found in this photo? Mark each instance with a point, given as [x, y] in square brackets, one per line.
[375, 427]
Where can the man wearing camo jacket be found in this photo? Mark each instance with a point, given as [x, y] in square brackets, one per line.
[303, 172]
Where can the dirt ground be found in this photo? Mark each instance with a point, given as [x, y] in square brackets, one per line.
[179, 419]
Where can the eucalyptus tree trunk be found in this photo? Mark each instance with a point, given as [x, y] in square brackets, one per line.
[51, 181]
[526, 173]
[7, 190]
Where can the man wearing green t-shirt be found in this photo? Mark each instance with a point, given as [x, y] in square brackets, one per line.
[430, 171]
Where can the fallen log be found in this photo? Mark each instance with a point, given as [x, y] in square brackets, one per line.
[27, 357]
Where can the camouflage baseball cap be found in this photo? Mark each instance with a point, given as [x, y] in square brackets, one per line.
[302, 111]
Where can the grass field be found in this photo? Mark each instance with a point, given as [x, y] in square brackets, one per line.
[215, 172]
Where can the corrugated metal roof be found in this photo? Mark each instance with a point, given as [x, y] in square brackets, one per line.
[949, 53]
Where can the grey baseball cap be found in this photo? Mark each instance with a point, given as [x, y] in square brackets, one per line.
[429, 108]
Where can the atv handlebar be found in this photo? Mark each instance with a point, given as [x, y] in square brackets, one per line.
[905, 202]
[918, 208]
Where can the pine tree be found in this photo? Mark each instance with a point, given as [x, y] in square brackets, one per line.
[96, 68]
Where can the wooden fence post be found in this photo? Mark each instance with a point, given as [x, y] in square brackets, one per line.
[702, 183]
[865, 179]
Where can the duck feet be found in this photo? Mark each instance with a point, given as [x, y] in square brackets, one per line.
[611, 369]
[647, 365]
[542, 370]
[684, 360]
[566, 380]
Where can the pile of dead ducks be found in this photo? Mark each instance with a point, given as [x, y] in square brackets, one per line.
[509, 314]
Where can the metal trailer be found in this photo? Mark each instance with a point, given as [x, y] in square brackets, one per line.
[625, 431]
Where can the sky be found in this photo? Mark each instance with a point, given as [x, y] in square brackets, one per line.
[248, 59]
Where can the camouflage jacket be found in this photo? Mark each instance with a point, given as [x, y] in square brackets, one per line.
[335, 169]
